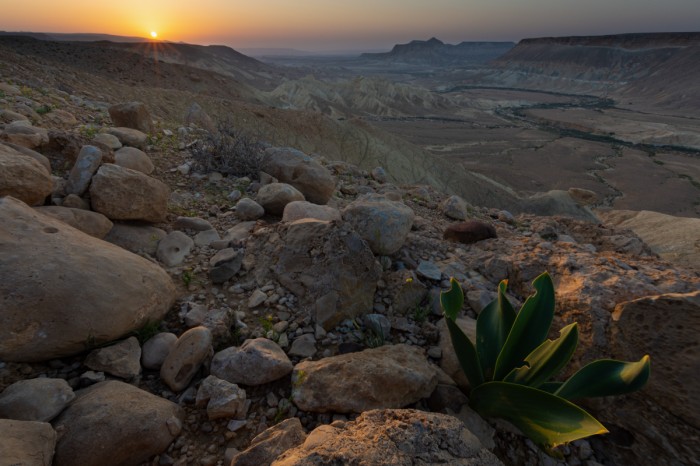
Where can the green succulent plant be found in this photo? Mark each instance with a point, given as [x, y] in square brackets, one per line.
[512, 366]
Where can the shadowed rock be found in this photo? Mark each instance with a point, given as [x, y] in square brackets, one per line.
[469, 232]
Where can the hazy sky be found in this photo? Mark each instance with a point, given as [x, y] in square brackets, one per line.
[348, 24]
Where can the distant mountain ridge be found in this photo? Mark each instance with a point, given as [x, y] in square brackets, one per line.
[435, 52]
[75, 37]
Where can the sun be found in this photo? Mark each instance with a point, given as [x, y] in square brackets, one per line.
[154, 34]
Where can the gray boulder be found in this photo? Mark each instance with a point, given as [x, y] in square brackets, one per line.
[326, 265]
[293, 167]
[85, 166]
[255, 362]
[40, 399]
[383, 223]
[274, 197]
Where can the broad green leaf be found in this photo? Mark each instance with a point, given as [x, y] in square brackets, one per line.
[547, 359]
[466, 354]
[550, 387]
[492, 329]
[606, 377]
[452, 300]
[529, 329]
[546, 419]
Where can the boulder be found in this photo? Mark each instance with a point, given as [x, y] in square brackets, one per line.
[293, 167]
[26, 443]
[391, 437]
[187, 356]
[43, 160]
[469, 232]
[131, 115]
[455, 207]
[114, 423]
[23, 177]
[40, 399]
[56, 302]
[222, 399]
[298, 210]
[156, 349]
[125, 194]
[122, 359]
[274, 197]
[85, 166]
[248, 209]
[24, 134]
[197, 116]
[173, 249]
[108, 140]
[271, 443]
[666, 327]
[93, 223]
[136, 159]
[386, 377]
[128, 136]
[255, 362]
[326, 265]
[225, 264]
[136, 238]
[384, 224]
[192, 223]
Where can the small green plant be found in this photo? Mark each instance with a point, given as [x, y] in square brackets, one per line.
[44, 109]
[266, 323]
[2, 94]
[420, 313]
[146, 332]
[511, 367]
[88, 131]
[187, 277]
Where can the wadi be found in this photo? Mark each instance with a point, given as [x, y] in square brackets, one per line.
[212, 257]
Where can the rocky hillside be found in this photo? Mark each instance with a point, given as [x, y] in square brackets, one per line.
[434, 52]
[372, 97]
[155, 312]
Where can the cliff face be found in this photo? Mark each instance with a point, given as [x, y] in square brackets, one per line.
[649, 70]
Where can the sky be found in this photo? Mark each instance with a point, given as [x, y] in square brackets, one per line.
[334, 25]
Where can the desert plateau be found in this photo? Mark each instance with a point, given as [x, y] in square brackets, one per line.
[228, 256]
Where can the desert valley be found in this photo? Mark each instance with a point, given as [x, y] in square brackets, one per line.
[222, 257]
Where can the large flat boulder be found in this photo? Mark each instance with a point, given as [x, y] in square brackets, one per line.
[124, 194]
[113, 423]
[23, 177]
[63, 289]
[392, 437]
[325, 264]
[391, 376]
[293, 167]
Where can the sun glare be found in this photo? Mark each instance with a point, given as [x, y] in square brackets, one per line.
[154, 34]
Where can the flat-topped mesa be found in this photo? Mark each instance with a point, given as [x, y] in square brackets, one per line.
[626, 41]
